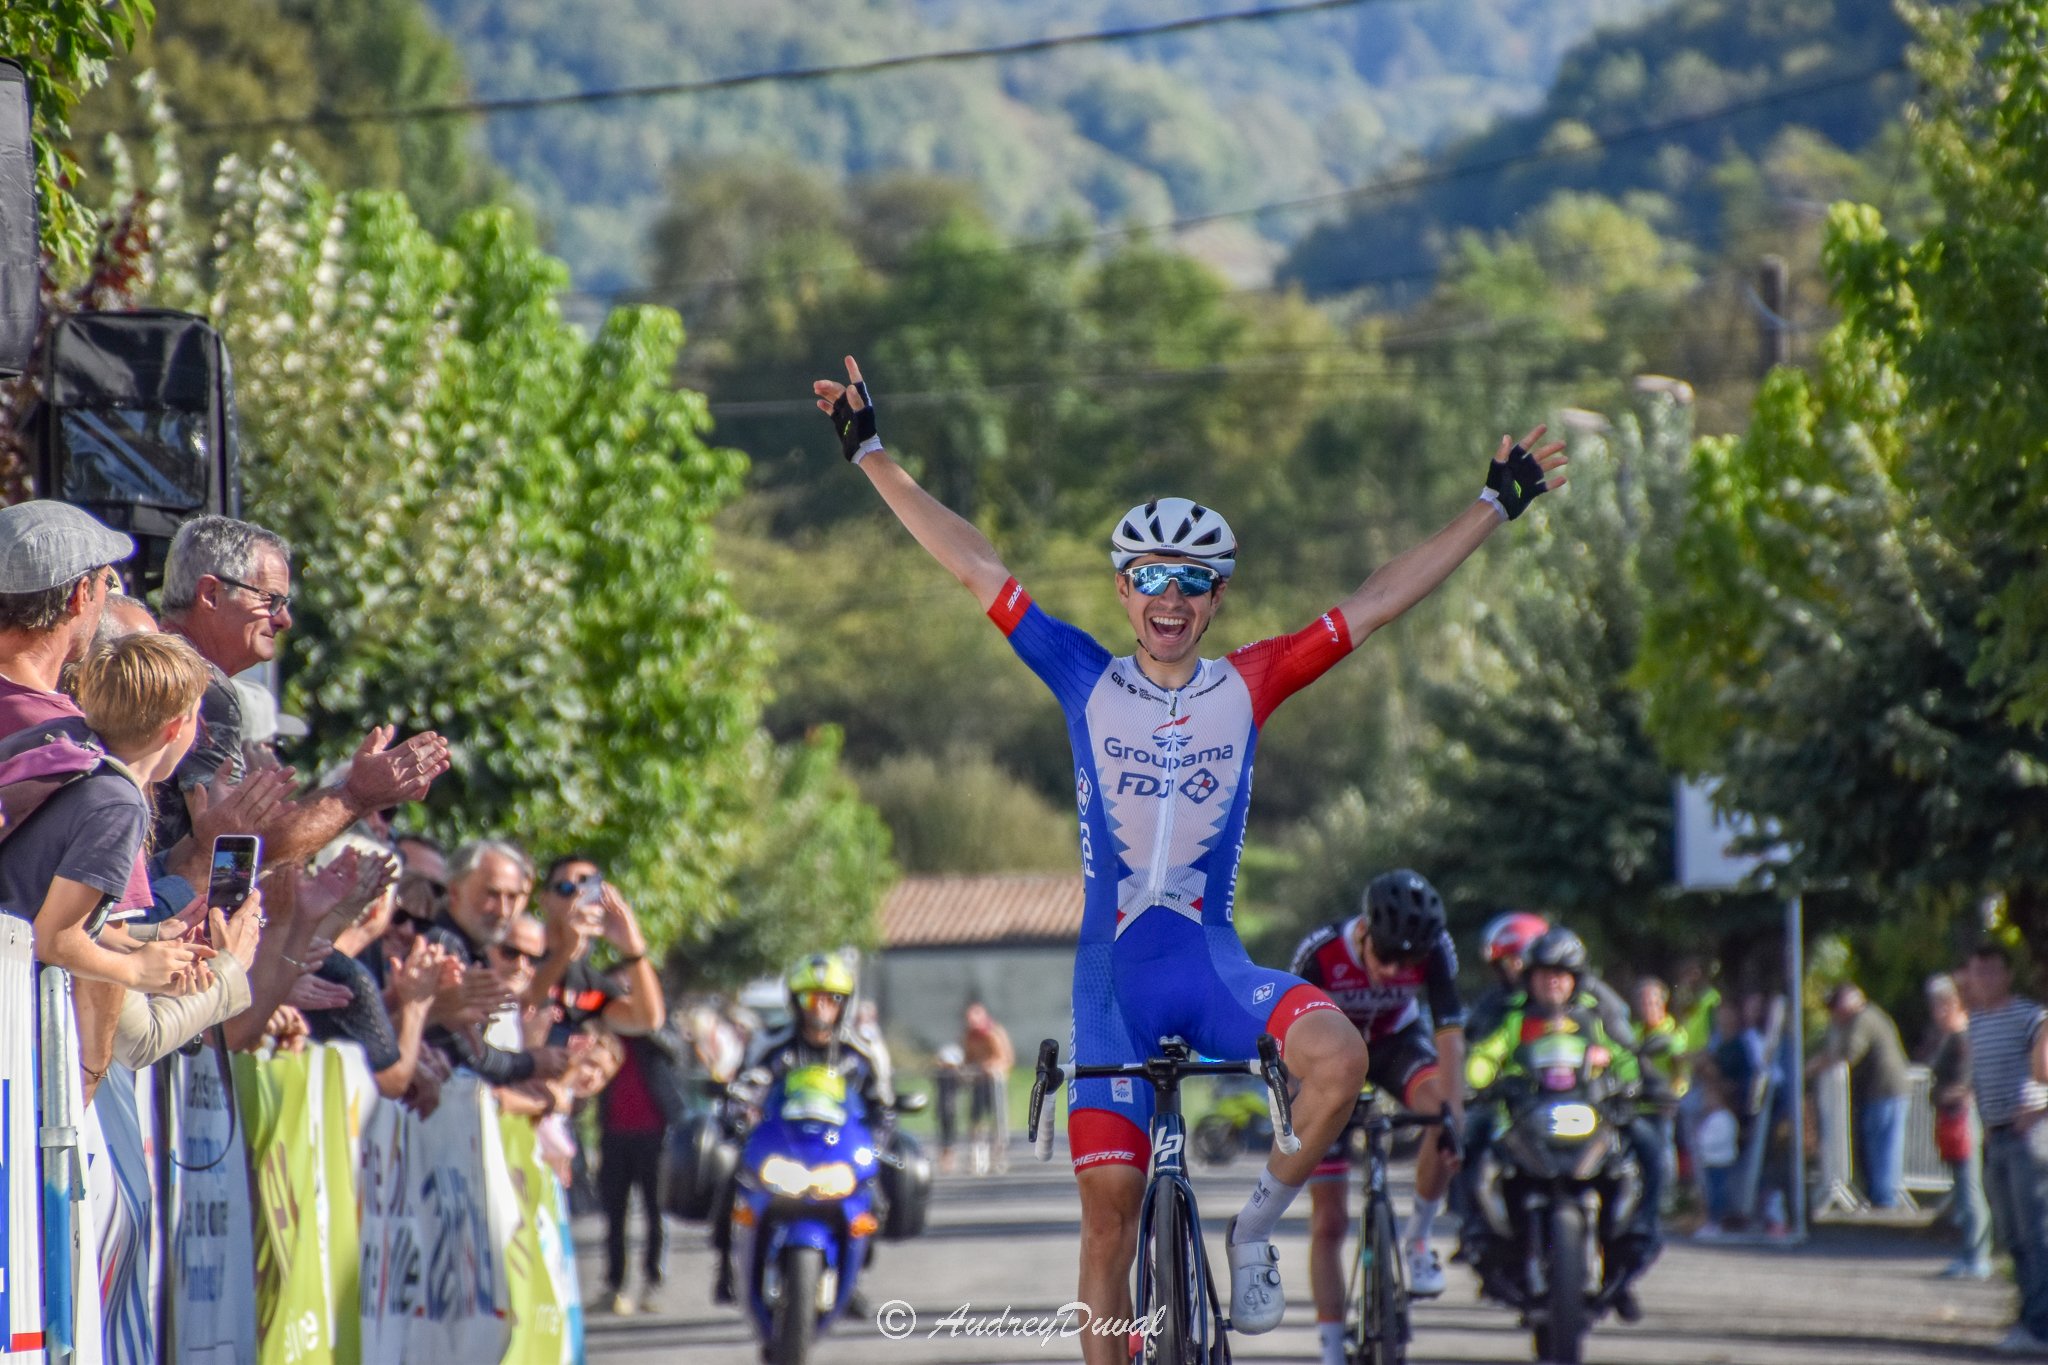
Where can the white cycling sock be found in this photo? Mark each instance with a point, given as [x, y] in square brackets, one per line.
[1262, 1211]
[1332, 1334]
[1420, 1220]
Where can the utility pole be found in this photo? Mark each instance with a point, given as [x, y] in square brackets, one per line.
[1773, 331]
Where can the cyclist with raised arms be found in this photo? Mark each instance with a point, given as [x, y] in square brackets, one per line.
[1381, 967]
[1163, 742]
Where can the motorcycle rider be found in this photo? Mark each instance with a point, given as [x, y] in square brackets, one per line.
[1502, 943]
[1553, 999]
[1379, 966]
[819, 1033]
[1506, 940]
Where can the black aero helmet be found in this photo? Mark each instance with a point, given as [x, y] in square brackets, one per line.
[1558, 948]
[1404, 916]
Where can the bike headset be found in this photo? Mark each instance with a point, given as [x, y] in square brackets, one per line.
[1404, 915]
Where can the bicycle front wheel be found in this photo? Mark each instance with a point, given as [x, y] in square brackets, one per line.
[1379, 1293]
[1173, 1303]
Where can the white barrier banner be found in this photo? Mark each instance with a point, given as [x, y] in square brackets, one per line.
[21, 1180]
[432, 1285]
[215, 1290]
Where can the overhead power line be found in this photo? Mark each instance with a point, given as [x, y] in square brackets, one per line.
[464, 108]
[1375, 190]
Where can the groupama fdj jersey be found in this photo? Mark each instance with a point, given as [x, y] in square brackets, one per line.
[1162, 780]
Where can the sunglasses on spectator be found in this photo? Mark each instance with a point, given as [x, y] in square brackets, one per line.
[1151, 579]
[506, 953]
[277, 603]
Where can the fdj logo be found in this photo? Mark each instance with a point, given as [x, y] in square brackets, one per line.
[1140, 784]
[1120, 1090]
[1083, 789]
[1200, 787]
[1263, 993]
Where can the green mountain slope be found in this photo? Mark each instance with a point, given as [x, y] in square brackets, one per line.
[1213, 120]
[1674, 70]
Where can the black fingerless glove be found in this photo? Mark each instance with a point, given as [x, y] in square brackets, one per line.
[857, 439]
[1512, 484]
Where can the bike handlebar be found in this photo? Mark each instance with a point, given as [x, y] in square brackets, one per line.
[1267, 1066]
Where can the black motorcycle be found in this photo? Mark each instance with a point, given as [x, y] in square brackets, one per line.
[1556, 1186]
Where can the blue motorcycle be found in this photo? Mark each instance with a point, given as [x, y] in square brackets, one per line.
[806, 1212]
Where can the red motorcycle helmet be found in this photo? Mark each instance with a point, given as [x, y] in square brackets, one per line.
[1510, 935]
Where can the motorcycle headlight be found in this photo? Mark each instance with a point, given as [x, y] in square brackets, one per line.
[784, 1176]
[833, 1182]
[1572, 1120]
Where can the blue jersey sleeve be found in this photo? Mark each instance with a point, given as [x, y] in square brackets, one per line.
[1066, 658]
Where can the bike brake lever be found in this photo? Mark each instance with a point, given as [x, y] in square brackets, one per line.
[1277, 1100]
[1041, 1118]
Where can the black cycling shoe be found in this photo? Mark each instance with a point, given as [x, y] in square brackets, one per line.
[1626, 1307]
[721, 1285]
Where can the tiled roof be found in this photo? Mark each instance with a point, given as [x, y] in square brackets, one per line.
[930, 912]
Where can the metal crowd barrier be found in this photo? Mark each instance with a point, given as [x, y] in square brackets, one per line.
[1925, 1172]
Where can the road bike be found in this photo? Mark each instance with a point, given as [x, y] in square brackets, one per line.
[1176, 1295]
[1376, 1330]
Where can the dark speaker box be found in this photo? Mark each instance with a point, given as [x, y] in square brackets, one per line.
[137, 425]
[20, 248]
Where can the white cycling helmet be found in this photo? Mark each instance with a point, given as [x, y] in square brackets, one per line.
[1174, 526]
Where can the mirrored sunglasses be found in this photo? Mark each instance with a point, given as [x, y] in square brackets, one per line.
[1193, 579]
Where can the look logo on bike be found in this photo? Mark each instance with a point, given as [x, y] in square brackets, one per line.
[1162, 747]
[1379, 966]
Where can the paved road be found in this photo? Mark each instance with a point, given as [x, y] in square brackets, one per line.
[1866, 1296]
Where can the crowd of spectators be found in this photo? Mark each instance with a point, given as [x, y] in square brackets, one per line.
[129, 745]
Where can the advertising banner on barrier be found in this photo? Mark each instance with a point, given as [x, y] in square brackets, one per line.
[214, 1254]
[282, 1110]
[122, 1212]
[391, 1281]
[533, 1270]
[463, 1263]
[21, 1180]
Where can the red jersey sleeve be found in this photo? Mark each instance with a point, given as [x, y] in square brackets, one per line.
[1009, 607]
[1276, 669]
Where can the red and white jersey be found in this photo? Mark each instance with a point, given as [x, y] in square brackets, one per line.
[1380, 1008]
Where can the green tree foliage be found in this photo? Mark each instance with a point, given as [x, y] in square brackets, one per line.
[1828, 649]
[65, 47]
[1819, 652]
[230, 61]
[1955, 316]
[1221, 119]
[504, 533]
[809, 869]
[1680, 61]
[1536, 785]
[961, 812]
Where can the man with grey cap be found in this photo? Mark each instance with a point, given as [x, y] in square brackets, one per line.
[55, 573]
[228, 589]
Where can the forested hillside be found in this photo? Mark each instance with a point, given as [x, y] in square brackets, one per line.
[1635, 110]
[1210, 120]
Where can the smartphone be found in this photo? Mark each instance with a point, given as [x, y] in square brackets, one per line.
[589, 890]
[235, 857]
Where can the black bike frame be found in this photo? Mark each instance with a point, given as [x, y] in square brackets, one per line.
[1169, 1165]
[1379, 1142]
